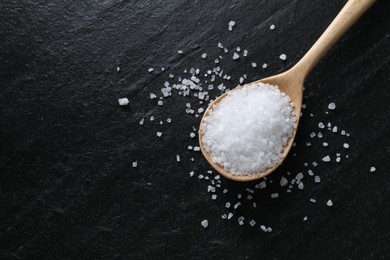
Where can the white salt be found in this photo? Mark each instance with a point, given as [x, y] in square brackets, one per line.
[141, 122]
[180, 51]
[254, 64]
[204, 55]
[332, 106]
[177, 158]
[326, 158]
[283, 57]
[204, 223]
[325, 144]
[135, 164]
[265, 65]
[159, 134]
[235, 56]
[231, 24]
[272, 27]
[317, 179]
[230, 215]
[372, 169]
[346, 146]
[250, 139]
[304, 218]
[123, 101]
[329, 203]
[274, 195]
[245, 53]
[252, 222]
[192, 135]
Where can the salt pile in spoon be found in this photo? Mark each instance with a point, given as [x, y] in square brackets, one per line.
[246, 132]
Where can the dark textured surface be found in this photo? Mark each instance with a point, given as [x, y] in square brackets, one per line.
[68, 189]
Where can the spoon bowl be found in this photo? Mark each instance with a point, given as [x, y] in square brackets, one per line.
[288, 83]
[291, 81]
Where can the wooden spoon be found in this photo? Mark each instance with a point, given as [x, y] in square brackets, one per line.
[291, 81]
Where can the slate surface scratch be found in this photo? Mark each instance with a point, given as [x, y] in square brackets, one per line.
[68, 189]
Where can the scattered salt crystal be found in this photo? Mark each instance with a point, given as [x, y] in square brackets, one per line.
[325, 144]
[169, 120]
[200, 176]
[262, 185]
[150, 70]
[238, 49]
[177, 158]
[196, 148]
[123, 101]
[214, 197]
[372, 169]
[230, 215]
[235, 56]
[346, 146]
[299, 176]
[313, 201]
[300, 186]
[283, 57]
[239, 196]
[135, 164]
[224, 216]
[274, 195]
[152, 96]
[237, 205]
[192, 174]
[220, 45]
[192, 135]
[272, 27]
[245, 53]
[151, 118]
[263, 228]
[159, 134]
[204, 223]
[329, 203]
[321, 125]
[180, 51]
[332, 106]
[310, 172]
[252, 222]
[304, 218]
[338, 159]
[227, 205]
[283, 181]
[334, 130]
[204, 55]
[254, 64]
[141, 122]
[225, 191]
[160, 103]
[265, 65]
[317, 179]
[326, 158]
[231, 24]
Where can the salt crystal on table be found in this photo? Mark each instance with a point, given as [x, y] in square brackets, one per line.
[159, 134]
[230, 215]
[252, 222]
[283, 181]
[265, 65]
[227, 205]
[346, 146]
[283, 57]
[123, 101]
[274, 195]
[205, 223]
[192, 174]
[329, 203]
[254, 65]
[135, 164]
[214, 197]
[177, 158]
[317, 179]
[141, 122]
[231, 24]
[204, 55]
[150, 70]
[272, 27]
[192, 135]
[235, 56]
[245, 53]
[305, 218]
[325, 144]
[169, 120]
[220, 45]
[326, 158]
[321, 125]
[180, 51]
[332, 106]
[372, 169]
[313, 201]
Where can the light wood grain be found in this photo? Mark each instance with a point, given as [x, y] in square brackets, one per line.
[291, 81]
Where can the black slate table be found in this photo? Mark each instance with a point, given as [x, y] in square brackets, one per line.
[68, 189]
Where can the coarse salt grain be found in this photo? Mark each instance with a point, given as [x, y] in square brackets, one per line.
[372, 169]
[204, 223]
[135, 164]
[235, 56]
[248, 140]
[326, 158]
[329, 203]
[283, 56]
[231, 24]
[272, 27]
[332, 106]
[123, 101]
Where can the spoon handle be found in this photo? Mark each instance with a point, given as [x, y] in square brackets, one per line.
[350, 13]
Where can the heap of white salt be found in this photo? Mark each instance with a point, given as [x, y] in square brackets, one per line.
[246, 132]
